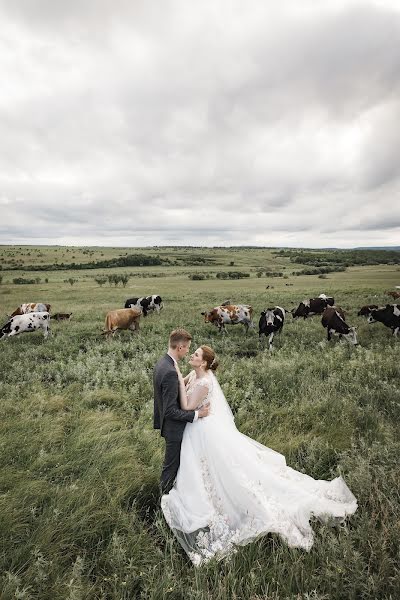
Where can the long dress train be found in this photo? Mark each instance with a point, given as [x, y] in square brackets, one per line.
[230, 489]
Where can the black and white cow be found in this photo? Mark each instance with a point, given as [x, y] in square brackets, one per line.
[271, 322]
[30, 308]
[146, 303]
[365, 311]
[388, 316]
[312, 306]
[330, 300]
[26, 323]
[333, 321]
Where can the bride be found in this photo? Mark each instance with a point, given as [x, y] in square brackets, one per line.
[230, 489]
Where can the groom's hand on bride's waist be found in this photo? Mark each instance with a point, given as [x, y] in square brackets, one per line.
[204, 411]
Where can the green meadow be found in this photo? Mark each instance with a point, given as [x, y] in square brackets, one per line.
[80, 462]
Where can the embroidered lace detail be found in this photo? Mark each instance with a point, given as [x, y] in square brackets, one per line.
[194, 382]
[218, 539]
[294, 533]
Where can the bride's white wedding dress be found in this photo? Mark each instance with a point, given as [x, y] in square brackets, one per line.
[230, 489]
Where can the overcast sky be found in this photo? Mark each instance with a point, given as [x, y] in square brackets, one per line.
[202, 123]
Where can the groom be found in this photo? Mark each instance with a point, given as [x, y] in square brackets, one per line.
[168, 415]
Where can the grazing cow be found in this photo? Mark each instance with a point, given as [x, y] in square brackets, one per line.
[313, 306]
[61, 316]
[122, 318]
[23, 309]
[146, 303]
[329, 299]
[388, 316]
[230, 315]
[26, 323]
[394, 295]
[271, 322]
[365, 311]
[333, 321]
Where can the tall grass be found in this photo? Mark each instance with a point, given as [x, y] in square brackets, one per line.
[80, 462]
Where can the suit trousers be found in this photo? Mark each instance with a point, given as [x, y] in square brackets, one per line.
[171, 464]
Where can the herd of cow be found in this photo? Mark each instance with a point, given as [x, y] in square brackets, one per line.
[272, 319]
[34, 316]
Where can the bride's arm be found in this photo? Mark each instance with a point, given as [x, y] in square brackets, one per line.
[186, 379]
[196, 398]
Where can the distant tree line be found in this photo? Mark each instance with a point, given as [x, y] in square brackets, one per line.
[219, 275]
[232, 275]
[200, 276]
[25, 280]
[320, 270]
[132, 260]
[192, 260]
[112, 279]
[346, 258]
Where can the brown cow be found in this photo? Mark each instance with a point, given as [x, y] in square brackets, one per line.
[394, 295]
[24, 309]
[229, 314]
[122, 318]
[61, 316]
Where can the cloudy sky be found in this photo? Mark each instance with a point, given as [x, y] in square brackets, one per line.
[206, 123]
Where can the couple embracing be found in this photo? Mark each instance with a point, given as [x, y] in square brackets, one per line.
[220, 488]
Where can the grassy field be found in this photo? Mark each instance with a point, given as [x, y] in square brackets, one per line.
[80, 462]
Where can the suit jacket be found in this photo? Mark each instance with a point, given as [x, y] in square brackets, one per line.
[168, 415]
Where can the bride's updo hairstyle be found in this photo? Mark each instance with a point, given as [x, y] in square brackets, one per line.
[210, 358]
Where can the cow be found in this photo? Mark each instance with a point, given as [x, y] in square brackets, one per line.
[61, 316]
[365, 311]
[394, 295]
[230, 315]
[312, 306]
[329, 299]
[146, 303]
[333, 321]
[23, 309]
[388, 316]
[26, 323]
[271, 322]
[122, 318]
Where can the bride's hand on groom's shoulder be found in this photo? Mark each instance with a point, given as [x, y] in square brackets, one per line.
[177, 369]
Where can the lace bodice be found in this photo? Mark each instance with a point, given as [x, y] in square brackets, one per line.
[194, 383]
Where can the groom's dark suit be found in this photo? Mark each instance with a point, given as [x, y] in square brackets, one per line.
[169, 418]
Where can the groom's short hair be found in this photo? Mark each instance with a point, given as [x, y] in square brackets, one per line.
[179, 336]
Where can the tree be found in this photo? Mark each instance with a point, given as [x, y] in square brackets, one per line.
[101, 280]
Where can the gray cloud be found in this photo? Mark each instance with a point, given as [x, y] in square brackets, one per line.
[210, 125]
